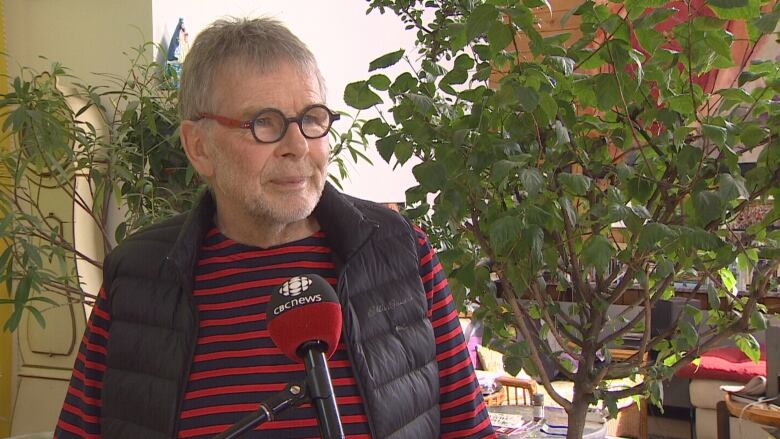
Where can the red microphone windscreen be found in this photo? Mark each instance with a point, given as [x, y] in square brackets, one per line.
[304, 309]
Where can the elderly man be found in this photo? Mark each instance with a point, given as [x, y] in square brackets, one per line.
[177, 345]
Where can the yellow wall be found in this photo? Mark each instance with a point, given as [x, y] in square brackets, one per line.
[86, 36]
[5, 337]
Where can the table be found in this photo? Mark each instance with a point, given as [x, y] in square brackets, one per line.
[595, 427]
[759, 414]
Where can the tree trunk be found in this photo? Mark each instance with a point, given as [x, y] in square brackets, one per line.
[577, 414]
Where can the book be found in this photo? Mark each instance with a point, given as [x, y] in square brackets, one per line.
[506, 424]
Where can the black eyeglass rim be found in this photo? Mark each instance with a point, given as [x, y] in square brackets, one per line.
[332, 117]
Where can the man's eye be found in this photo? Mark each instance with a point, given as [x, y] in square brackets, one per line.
[314, 120]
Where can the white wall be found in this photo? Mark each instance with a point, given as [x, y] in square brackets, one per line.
[344, 40]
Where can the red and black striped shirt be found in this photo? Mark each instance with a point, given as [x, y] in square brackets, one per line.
[236, 365]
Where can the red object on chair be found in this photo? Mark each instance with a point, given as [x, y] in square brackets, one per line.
[727, 364]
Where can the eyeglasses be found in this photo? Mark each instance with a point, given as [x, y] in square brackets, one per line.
[270, 124]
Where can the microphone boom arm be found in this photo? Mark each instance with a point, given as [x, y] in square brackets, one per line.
[293, 395]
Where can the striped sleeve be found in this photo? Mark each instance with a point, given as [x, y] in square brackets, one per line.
[80, 415]
[463, 412]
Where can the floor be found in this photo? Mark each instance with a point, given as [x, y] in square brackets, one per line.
[665, 427]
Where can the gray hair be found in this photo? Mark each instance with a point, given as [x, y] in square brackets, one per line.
[261, 42]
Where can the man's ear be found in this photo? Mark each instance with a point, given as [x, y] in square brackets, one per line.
[195, 140]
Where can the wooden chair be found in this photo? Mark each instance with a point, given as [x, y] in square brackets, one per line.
[514, 391]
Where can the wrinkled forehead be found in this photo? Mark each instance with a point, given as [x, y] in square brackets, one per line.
[236, 75]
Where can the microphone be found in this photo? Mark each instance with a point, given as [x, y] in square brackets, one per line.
[304, 321]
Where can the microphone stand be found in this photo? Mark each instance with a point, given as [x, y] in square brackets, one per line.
[292, 395]
[320, 389]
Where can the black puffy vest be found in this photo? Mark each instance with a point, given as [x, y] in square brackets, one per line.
[154, 322]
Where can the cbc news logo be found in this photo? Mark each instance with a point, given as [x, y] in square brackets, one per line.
[295, 286]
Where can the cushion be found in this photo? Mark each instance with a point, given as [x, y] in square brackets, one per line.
[727, 364]
[706, 393]
[490, 360]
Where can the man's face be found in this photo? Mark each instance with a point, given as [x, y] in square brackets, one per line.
[274, 183]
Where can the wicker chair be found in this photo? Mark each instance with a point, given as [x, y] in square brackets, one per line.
[514, 391]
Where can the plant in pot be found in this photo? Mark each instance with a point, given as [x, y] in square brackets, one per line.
[595, 169]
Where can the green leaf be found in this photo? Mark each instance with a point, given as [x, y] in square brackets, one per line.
[728, 4]
[651, 20]
[532, 180]
[386, 145]
[753, 135]
[455, 76]
[562, 63]
[5, 258]
[376, 127]
[480, 20]
[358, 95]
[758, 320]
[422, 103]
[528, 98]
[577, 184]
[598, 253]
[505, 231]
[637, 7]
[608, 92]
[736, 94]
[748, 76]
[618, 212]
[730, 188]
[749, 346]
[568, 210]
[712, 297]
[768, 22]
[653, 234]
[688, 159]
[541, 217]
[561, 134]
[38, 316]
[708, 205]
[4, 224]
[23, 289]
[728, 279]
[120, 232]
[682, 104]
[700, 239]
[379, 82]
[637, 57]
[431, 175]
[386, 60]
[715, 133]
[735, 9]
[531, 241]
[502, 169]
[641, 211]
[549, 106]
[500, 36]
[403, 152]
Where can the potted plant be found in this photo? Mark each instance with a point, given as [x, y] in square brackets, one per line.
[599, 170]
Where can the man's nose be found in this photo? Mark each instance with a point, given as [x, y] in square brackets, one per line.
[294, 142]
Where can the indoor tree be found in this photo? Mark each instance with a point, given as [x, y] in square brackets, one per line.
[600, 168]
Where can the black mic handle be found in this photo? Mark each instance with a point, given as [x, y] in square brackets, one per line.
[320, 390]
[292, 395]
